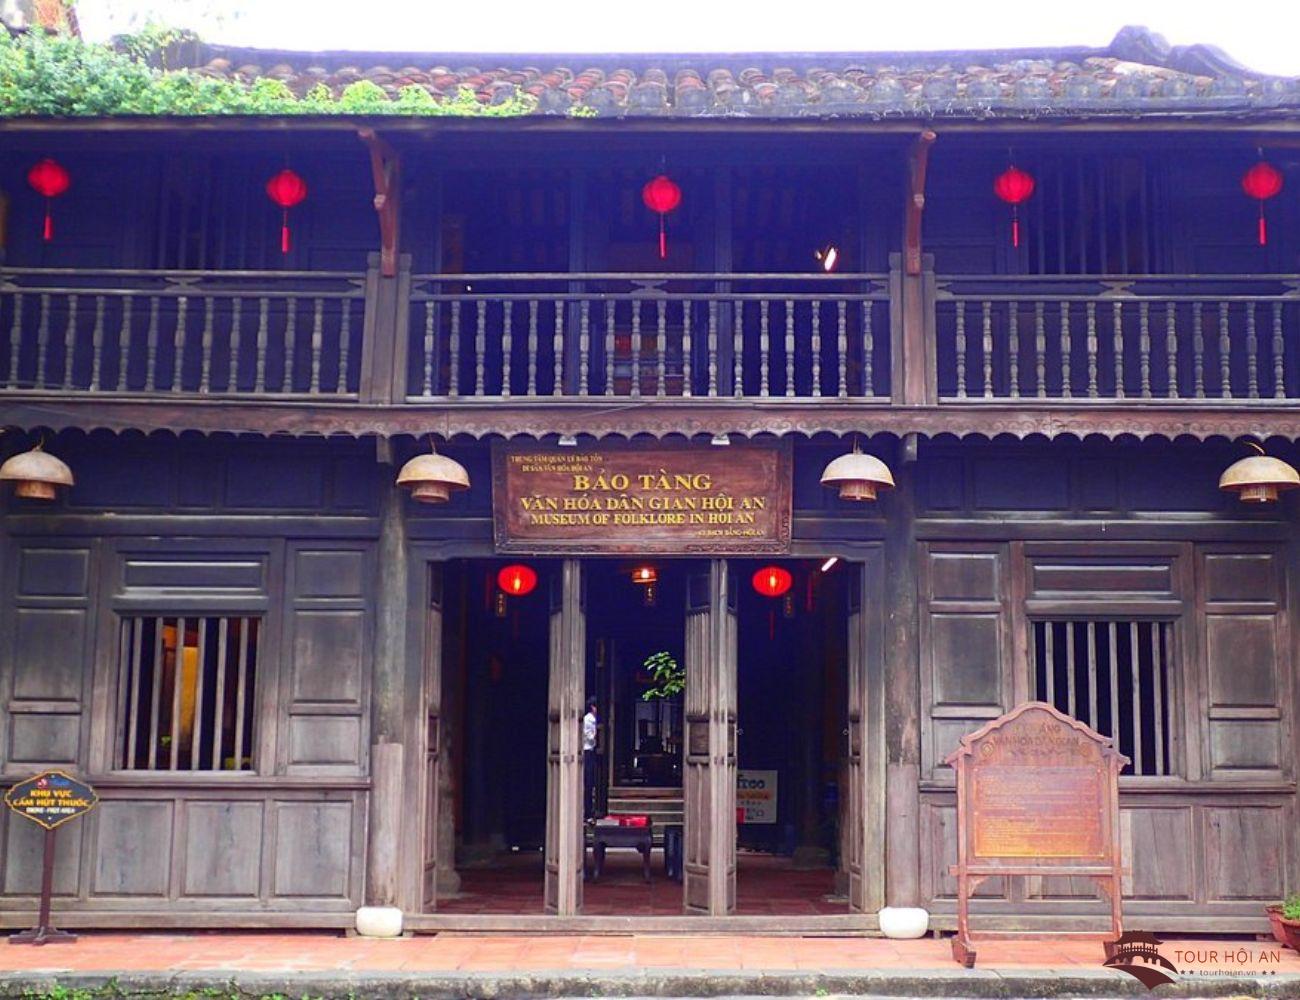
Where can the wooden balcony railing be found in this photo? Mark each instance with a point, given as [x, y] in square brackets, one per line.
[461, 339]
[658, 336]
[1149, 338]
[285, 334]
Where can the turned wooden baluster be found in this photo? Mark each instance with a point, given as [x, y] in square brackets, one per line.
[1252, 353]
[1090, 310]
[15, 339]
[430, 310]
[713, 347]
[453, 351]
[236, 321]
[317, 344]
[868, 348]
[1040, 348]
[661, 346]
[1198, 348]
[961, 348]
[1171, 347]
[290, 343]
[533, 305]
[263, 328]
[1067, 349]
[635, 388]
[687, 309]
[178, 343]
[557, 349]
[789, 347]
[609, 347]
[1013, 348]
[124, 342]
[69, 342]
[764, 346]
[480, 346]
[1279, 354]
[205, 347]
[1144, 348]
[507, 344]
[738, 347]
[842, 345]
[43, 340]
[345, 345]
[1117, 342]
[584, 345]
[986, 345]
[1225, 354]
[97, 344]
[816, 342]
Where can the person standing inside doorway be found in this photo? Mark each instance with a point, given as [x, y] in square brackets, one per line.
[590, 725]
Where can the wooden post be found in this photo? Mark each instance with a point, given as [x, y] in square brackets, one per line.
[914, 349]
[902, 690]
[709, 784]
[565, 845]
[388, 702]
[385, 333]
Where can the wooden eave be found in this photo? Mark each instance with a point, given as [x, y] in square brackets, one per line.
[626, 418]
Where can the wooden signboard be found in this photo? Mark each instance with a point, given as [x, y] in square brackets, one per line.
[628, 499]
[49, 800]
[1037, 794]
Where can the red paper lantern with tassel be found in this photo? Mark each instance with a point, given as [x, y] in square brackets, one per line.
[1013, 186]
[286, 189]
[1261, 182]
[49, 179]
[662, 195]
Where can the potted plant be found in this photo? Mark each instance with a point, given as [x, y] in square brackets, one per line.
[1285, 918]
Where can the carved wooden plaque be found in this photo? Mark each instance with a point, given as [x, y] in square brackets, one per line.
[1037, 793]
[689, 500]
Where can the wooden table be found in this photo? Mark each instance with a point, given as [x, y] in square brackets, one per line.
[638, 837]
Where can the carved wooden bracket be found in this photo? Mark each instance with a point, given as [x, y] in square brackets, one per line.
[917, 160]
[386, 169]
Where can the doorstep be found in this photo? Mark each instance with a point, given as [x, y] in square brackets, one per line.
[660, 965]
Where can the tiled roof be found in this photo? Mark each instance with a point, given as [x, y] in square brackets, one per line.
[1138, 73]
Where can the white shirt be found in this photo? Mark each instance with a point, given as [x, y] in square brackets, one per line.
[589, 731]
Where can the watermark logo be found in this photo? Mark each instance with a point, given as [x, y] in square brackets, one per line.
[1138, 954]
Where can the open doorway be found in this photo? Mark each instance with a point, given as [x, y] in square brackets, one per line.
[494, 666]
[792, 766]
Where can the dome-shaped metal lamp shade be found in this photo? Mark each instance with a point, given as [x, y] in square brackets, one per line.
[433, 478]
[858, 476]
[36, 475]
[1259, 478]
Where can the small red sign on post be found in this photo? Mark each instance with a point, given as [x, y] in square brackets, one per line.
[1037, 794]
[49, 799]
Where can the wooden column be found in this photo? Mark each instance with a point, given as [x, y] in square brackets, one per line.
[709, 783]
[902, 689]
[864, 839]
[388, 696]
[564, 830]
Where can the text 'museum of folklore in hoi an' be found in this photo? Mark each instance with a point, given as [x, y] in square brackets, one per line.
[630, 499]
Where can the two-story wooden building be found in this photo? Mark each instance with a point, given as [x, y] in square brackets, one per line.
[299, 690]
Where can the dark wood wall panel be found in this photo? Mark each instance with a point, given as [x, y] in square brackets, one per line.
[132, 847]
[45, 648]
[1246, 665]
[1245, 851]
[222, 848]
[328, 654]
[965, 644]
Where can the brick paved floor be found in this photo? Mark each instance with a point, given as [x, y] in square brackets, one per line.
[102, 952]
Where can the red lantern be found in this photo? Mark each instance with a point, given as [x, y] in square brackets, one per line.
[1261, 182]
[661, 194]
[49, 179]
[1013, 186]
[772, 581]
[516, 580]
[286, 189]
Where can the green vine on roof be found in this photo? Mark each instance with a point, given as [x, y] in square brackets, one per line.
[62, 76]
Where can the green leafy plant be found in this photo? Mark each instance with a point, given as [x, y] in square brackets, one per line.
[63, 76]
[669, 678]
[1291, 907]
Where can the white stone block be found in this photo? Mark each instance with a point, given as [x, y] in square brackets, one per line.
[379, 921]
[904, 922]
